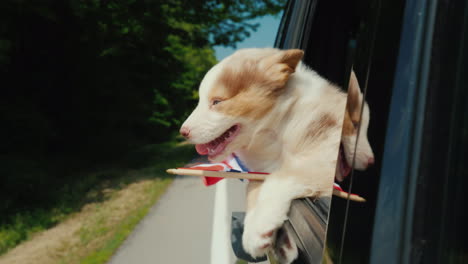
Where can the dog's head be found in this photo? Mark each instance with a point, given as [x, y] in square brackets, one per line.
[352, 120]
[234, 95]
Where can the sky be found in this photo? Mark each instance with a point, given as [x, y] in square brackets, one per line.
[263, 37]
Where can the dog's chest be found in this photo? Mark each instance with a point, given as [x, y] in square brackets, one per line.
[263, 153]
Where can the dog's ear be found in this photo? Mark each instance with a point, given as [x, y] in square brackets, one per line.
[290, 57]
[281, 65]
[354, 98]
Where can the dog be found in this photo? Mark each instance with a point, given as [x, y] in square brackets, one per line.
[277, 116]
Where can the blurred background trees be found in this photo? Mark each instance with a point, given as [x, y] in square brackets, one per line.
[83, 82]
[108, 74]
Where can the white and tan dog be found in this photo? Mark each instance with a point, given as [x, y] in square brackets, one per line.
[280, 117]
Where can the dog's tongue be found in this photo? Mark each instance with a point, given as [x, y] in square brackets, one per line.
[211, 149]
[202, 149]
[343, 168]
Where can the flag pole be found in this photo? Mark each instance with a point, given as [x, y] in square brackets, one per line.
[250, 176]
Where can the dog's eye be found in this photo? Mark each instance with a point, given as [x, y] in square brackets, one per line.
[216, 101]
[356, 125]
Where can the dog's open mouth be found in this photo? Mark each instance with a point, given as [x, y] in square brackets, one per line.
[344, 169]
[217, 146]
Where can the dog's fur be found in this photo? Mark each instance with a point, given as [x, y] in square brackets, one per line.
[280, 117]
[285, 249]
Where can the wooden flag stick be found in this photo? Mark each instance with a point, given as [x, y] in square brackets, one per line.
[250, 176]
[352, 197]
[222, 174]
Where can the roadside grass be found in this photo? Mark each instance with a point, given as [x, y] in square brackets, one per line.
[94, 218]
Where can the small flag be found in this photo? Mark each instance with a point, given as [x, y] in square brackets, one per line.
[231, 164]
[234, 164]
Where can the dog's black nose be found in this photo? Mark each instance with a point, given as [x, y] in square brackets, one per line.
[185, 132]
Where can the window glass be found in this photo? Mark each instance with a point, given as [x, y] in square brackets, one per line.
[350, 231]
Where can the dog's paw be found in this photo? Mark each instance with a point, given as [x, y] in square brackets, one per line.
[260, 232]
[285, 248]
[257, 243]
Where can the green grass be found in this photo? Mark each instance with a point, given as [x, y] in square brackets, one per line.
[147, 163]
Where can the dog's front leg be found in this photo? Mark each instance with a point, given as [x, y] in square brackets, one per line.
[269, 212]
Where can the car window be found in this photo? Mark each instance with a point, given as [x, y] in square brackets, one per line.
[373, 47]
